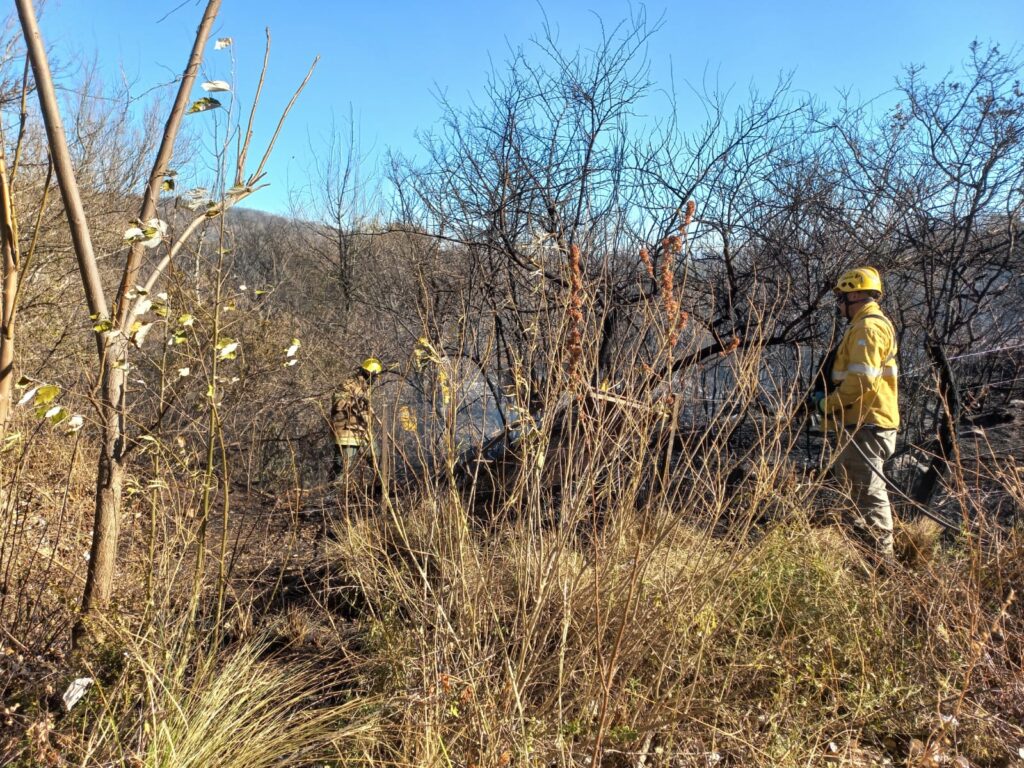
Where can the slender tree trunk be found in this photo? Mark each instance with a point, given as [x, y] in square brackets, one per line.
[109, 483]
[162, 161]
[927, 485]
[110, 473]
[11, 278]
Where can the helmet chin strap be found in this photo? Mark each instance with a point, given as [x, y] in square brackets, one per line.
[851, 303]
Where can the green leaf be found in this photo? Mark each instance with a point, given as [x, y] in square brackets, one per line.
[57, 414]
[103, 326]
[167, 185]
[47, 393]
[203, 104]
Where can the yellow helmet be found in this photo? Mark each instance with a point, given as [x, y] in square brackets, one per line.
[372, 366]
[860, 279]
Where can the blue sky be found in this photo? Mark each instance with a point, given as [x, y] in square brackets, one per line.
[387, 60]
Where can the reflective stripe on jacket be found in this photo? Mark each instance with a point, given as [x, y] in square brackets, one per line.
[864, 373]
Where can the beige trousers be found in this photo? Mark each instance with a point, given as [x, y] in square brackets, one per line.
[859, 467]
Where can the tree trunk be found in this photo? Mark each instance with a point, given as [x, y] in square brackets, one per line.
[109, 480]
[109, 474]
[7, 345]
[8, 305]
[949, 395]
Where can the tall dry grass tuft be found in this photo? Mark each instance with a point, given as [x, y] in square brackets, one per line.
[230, 707]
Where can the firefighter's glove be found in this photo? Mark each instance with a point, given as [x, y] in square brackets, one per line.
[816, 402]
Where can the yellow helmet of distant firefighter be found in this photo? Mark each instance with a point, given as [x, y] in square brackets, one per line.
[371, 366]
[860, 279]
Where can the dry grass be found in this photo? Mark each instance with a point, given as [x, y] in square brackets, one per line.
[604, 608]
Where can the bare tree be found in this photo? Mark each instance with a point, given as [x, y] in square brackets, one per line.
[116, 331]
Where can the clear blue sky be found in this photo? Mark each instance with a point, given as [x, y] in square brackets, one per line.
[388, 58]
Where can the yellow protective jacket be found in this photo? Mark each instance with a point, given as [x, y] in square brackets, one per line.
[864, 373]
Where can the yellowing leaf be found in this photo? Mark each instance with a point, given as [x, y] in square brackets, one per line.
[150, 233]
[203, 104]
[227, 349]
[57, 414]
[139, 335]
[47, 393]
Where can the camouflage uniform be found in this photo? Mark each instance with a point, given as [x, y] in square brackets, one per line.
[351, 423]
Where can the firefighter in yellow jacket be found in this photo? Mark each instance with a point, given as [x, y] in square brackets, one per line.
[352, 417]
[862, 405]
